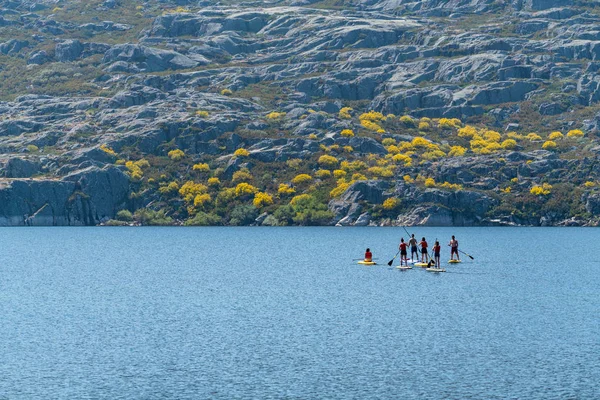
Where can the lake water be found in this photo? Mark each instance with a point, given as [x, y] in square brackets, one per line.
[273, 313]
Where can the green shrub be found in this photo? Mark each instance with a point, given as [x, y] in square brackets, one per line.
[204, 219]
[146, 216]
[125, 215]
[243, 215]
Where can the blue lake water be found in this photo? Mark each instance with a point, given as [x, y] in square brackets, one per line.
[272, 313]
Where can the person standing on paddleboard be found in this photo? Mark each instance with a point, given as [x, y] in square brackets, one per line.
[368, 255]
[413, 248]
[403, 253]
[424, 253]
[436, 254]
[453, 248]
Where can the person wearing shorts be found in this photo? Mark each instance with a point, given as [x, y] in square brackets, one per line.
[436, 254]
[414, 251]
[403, 253]
[453, 248]
[424, 253]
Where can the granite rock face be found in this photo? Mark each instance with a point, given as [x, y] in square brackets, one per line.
[202, 77]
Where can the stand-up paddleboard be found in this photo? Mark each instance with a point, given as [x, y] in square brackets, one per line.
[403, 267]
[454, 261]
[421, 264]
[435, 270]
[363, 262]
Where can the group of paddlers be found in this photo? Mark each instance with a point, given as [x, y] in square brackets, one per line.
[421, 248]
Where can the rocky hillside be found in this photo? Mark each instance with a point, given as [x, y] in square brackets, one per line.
[350, 112]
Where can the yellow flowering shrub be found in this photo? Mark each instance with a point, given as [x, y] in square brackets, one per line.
[555, 135]
[457, 151]
[407, 120]
[406, 146]
[514, 135]
[468, 131]
[190, 189]
[226, 92]
[108, 150]
[202, 199]
[301, 178]
[241, 176]
[408, 179]
[285, 189]
[328, 161]
[450, 186]
[339, 189]
[345, 113]
[353, 166]
[323, 174]
[533, 137]
[201, 167]
[509, 144]
[275, 115]
[381, 172]
[262, 199]
[429, 182]
[348, 149]
[202, 114]
[372, 116]
[176, 155]
[393, 149]
[433, 155]
[589, 184]
[339, 173]
[241, 152]
[244, 188]
[372, 126]
[545, 189]
[171, 188]
[424, 126]
[347, 133]
[391, 203]
[420, 142]
[575, 133]
[214, 181]
[492, 136]
[549, 145]
[402, 158]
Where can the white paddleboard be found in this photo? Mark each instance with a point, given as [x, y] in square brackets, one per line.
[435, 270]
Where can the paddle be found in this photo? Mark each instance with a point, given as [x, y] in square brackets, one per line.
[409, 238]
[392, 260]
[431, 259]
[470, 256]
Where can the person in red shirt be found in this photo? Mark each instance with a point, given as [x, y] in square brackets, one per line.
[436, 253]
[403, 253]
[368, 255]
[424, 253]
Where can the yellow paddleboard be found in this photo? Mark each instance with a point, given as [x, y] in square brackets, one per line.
[420, 264]
[367, 262]
[454, 261]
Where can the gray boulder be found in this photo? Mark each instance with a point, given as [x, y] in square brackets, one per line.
[13, 46]
[69, 50]
[148, 59]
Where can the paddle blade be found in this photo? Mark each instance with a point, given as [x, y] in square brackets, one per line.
[471, 257]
